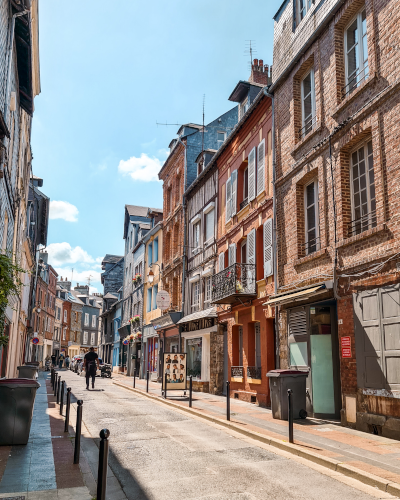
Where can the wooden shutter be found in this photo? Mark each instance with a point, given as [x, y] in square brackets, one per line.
[221, 262]
[251, 247]
[261, 167]
[234, 192]
[228, 198]
[232, 254]
[268, 252]
[252, 174]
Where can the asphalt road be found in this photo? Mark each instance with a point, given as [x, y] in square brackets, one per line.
[159, 453]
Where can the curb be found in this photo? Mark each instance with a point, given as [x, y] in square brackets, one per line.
[332, 464]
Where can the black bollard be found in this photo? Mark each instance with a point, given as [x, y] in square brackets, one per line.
[67, 409]
[147, 381]
[51, 376]
[165, 386]
[228, 400]
[62, 397]
[55, 384]
[78, 432]
[134, 377]
[190, 390]
[58, 389]
[290, 414]
[103, 461]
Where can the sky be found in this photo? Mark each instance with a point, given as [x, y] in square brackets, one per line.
[109, 72]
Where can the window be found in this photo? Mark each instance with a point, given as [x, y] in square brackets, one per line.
[196, 235]
[209, 225]
[155, 250]
[92, 338]
[304, 7]
[243, 259]
[64, 334]
[221, 136]
[94, 321]
[148, 305]
[85, 338]
[356, 53]
[245, 185]
[363, 190]
[155, 292]
[231, 196]
[243, 107]
[86, 319]
[307, 104]
[240, 346]
[4, 242]
[65, 315]
[311, 216]
[150, 254]
[195, 295]
[257, 343]
[169, 200]
[207, 287]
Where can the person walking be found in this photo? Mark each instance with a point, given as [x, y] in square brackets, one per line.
[60, 361]
[91, 365]
[67, 360]
[53, 359]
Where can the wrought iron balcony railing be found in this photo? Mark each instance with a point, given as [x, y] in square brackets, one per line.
[237, 281]
[311, 246]
[367, 221]
[243, 203]
[309, 125]
[237, 371]
[254, 372]
[355, 81]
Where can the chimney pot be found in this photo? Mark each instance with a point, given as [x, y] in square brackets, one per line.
[261, 63]
[255, 62]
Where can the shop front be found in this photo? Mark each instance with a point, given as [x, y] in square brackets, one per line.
[169, 339]
[203, 342]
[151, 345]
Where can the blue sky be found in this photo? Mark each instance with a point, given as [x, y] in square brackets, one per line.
[109, 72]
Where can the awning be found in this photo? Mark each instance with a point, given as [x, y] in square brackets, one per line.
[207, 313]
[289, 297]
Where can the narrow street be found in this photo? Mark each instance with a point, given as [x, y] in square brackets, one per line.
[159, 453]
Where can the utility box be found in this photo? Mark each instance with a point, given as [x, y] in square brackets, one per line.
[17, 397]
[279, 383]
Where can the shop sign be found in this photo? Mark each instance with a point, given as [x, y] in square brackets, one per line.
[174, 369]
[199, 324]
[163, 300]
[346, 347]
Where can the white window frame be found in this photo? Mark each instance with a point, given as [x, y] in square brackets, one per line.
[92, 338]
[87, 319]
[64, 334]
[65, 315]
[85, 338]
[207, 290]
[243, 107]
[196, 295]
[363, 69]
[208, 215]
[313, 113]
[316, 211]
[94, 321]
[196, 236]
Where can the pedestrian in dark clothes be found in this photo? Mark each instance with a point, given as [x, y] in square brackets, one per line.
[91, 365]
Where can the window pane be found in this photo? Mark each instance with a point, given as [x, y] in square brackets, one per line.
[307, 85]
[298, 354]
[310, 194]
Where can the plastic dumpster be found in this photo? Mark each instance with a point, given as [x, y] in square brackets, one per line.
[279, 383]
[27, 371]
[17, 396]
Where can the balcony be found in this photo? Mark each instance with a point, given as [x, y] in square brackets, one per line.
[367, 221]
[254, 374]
[234, 284]
[237, 373]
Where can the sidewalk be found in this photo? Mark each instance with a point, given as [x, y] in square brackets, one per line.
[374, 460]
[44, 469]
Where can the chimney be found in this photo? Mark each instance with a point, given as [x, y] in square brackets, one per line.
[260, 73]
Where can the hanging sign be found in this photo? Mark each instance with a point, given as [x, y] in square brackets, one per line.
[163, 300]
[175, 370]
[35, 340]
[345, 343]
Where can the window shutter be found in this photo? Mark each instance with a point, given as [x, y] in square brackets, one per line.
[209, 218]
[252, 174]
[232, 254]
[228, 199]
[261, 167]
[221, 258]
[268, 254]
[234, 192]
[251, 247]
[297, 322]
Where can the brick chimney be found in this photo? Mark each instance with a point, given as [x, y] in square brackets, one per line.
[260, 73]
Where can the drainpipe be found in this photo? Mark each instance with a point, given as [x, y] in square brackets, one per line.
[335, 294]
[184, 239]
[274, 247]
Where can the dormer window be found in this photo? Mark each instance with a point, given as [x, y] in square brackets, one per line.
[304, 6]
[221, 136]
[243, 107]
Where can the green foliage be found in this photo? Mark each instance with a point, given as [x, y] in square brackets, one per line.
[10, 285]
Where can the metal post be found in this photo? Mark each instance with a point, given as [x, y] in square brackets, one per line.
[165, 386]
[51, 376]
[134, 377]
[147, 381]
[290, 414]
[190, 390]
[62, 397]
[58, 389]
[67, 409]
[103, 461]
[228, 400]
[78, 432]
[55, 384]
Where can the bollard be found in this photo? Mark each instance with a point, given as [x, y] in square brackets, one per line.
[134, 378]
[55, 384]
[103, 461]
[58, 389]
[228, 401]
[290, 414]
[67, 408]
[147, 381]
[51, 376]
[165, 386]
[62, 397]
[190, 390]
[78, 432]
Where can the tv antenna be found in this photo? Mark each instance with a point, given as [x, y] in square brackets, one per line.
[202, 133]
[89, 279]
[169, 124]
[72, 274]
[250, 49]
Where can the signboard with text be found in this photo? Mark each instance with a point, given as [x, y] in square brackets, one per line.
[345, 343]
[174, 368]
[163, 300]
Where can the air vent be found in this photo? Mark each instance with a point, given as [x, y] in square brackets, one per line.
[297, 322]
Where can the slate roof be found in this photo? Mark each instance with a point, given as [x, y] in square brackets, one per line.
[110, 296]
[140, 211]
[112, 258]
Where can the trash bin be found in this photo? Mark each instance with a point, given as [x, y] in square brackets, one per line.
[27, 371]
[17, 396]
[279, 383]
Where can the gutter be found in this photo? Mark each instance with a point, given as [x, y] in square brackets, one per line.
[184, 257]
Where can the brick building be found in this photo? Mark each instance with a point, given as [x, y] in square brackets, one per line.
[244, 274]
[336, 93]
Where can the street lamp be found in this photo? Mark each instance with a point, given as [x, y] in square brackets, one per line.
[151, 274]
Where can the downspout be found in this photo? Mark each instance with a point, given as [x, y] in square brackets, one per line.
[184, 240]
[274, 246]
[335, 294]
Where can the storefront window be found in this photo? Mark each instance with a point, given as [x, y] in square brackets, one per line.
[193, 349]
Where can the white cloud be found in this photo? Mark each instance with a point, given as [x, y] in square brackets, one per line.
[63, 210]
[141, 169]
[63, 253]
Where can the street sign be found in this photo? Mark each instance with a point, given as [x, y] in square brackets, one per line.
[346, 347]
[163, 300]
[35, 340]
